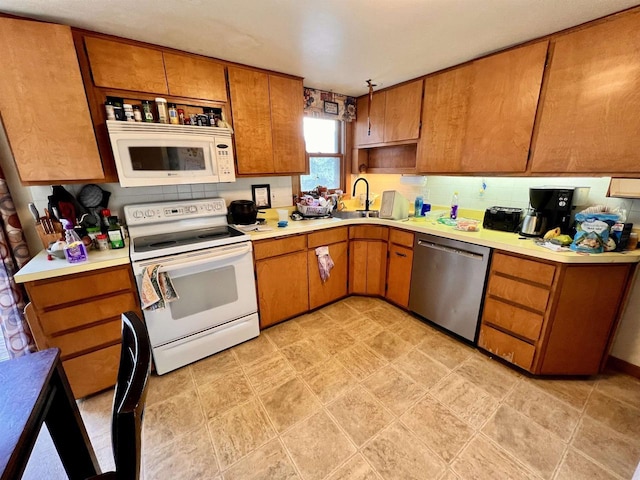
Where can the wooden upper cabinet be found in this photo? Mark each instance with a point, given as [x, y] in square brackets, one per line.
[194, 77]
[287, 99]
[267, 120]
[402, 112]
[364, 136]
[589, 119]
[479, 117]
[126, 67]
[44, 106]
[249, 90]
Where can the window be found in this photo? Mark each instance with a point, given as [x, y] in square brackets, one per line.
[323, 139]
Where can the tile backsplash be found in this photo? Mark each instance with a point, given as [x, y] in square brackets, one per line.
[499, 191]
[280, 188]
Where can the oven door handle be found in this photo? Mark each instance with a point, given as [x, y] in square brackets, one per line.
[200, 258]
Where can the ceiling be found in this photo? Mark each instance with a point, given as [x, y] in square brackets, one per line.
[335, 45]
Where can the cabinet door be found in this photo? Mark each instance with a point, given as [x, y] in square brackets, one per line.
[367, 267]
[336, 286]
[399, 274]
[287, 124]
[376, 116]
[402, 112]
[195, 77]
[126, 67]
[479, 117]
[250, 107]
[283, 287]
[44, 105]
[589, 121]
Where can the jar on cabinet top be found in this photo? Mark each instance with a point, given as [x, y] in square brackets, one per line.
[163, 112]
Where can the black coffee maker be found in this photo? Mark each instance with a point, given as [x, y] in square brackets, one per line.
[550, 208]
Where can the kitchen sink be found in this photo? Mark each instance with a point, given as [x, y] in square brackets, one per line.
[355, 213]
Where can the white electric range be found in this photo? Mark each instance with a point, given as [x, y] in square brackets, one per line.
[211, 267]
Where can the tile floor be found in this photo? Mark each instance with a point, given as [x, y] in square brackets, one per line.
[362, 390]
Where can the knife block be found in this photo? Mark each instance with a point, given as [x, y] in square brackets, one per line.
[47, 238]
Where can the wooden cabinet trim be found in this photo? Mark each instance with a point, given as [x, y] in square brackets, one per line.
[401, 237]
[327, 237]
[369, 232]
[279, 246]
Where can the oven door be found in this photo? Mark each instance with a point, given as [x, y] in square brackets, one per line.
[215, 286]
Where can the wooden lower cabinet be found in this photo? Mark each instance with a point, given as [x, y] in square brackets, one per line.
[80, 315]
[322, 293]
[551, 318]
[282, 280]
[367, 267]
[399, 267]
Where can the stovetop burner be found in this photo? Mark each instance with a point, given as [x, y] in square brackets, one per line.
[189, 237]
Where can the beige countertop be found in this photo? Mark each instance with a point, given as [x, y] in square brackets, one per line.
[39, 268]
[506, 241]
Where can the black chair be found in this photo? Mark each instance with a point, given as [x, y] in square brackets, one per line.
[129, 399]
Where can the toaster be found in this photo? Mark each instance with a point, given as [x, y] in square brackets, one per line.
[505, 219]
[394, 205]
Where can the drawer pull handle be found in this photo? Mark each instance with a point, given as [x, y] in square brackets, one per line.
[401, 254]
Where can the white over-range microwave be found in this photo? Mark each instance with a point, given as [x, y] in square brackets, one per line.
[150, 154]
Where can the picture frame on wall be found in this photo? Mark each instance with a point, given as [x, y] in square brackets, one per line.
[331, 107]
[261, 195]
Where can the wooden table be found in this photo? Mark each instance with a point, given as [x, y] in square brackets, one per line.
[33, 390]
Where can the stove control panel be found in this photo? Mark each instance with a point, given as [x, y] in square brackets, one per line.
[168, 211]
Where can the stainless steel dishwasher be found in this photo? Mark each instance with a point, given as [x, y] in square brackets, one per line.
[447, 283]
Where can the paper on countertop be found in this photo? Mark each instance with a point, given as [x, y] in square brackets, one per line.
[553, 246]
[253, 228]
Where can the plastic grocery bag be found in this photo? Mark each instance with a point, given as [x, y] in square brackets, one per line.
[592, 231]
[325, 262]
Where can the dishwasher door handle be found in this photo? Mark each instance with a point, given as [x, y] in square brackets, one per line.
[456, 251]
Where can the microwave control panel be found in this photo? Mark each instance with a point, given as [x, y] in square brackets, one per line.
[224, 160]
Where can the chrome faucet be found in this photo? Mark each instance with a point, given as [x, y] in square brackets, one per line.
[366, 199]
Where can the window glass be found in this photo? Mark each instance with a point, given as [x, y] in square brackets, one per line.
[323, 171]
[320, 135]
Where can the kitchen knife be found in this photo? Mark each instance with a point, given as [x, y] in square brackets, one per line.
[34, 211]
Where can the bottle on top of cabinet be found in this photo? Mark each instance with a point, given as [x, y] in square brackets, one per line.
[163, 112]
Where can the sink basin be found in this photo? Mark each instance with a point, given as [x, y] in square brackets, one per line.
[355, 213]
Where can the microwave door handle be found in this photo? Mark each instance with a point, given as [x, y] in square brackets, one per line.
[205, 258]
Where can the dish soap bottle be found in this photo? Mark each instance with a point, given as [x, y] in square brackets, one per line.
[114, 233]
[74, 251]
[417, 212]
[453, 214]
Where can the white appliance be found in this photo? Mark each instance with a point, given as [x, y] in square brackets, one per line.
[149, 154]
[394, 205]
[211, 267]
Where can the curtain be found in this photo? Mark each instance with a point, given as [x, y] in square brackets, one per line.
[329, 105]
[14, 253]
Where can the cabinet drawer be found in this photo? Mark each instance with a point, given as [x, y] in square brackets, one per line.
[508, 347]
[93, 372]
[56, 321]
[73, 288]
[326, 237]
[400, 237]
[530, 270]
[516, 320]
[517, 292]
[87, 339]
[280, 246]
[369, 232]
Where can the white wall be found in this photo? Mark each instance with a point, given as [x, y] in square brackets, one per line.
[280, 188]
[514, 192]
[500, 191]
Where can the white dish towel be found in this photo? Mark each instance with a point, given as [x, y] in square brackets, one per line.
[157, 288]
